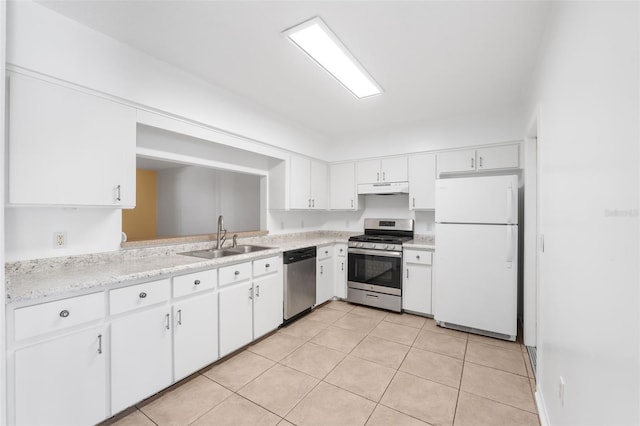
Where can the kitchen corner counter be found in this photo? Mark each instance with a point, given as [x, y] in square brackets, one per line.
[37, 281]
[421, 242]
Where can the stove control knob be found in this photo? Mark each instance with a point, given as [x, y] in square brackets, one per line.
[359, 245]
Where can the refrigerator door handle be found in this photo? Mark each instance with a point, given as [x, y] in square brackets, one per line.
[510, 247]
[509, 205]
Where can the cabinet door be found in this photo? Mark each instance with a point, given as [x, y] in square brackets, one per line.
[457, 161]
[236, 317]
[368, 171]
[416, 288]
[324, 280]
[67, 147]
[299, 183]
[319, 198]
[498, 157]
[268, 308]
[62, 381]
[422, 182]
[393, 169]
[140, 356]
[195, 334]
[342, 187]
[340, 277]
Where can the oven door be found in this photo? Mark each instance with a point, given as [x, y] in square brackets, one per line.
[375, 270]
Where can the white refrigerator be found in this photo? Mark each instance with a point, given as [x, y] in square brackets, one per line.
[476, 269]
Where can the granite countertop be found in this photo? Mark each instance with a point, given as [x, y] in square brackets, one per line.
[421, 242]
[35, 281]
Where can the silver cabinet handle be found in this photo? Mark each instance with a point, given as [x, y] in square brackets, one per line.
[168, 325]
[414, 202]
[251, 293]
[179, 316]
[236, 273]
[196, 282]
[384, 176]
[313, 203]
[309, 203]
[142, 295]
[119, 193]
[267, 265]
[342, 266]
[257, 291]
[480, 162]
[64, 313]
[351, 203]
[407, 272]
[472, 162]
[99, 343]
[378, 177]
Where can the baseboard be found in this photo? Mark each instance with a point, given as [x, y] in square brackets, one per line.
[542, 409]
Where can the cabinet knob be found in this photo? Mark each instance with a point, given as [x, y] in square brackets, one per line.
[267, 265]
[64, 313]
[142, 295]
[236, 273]
[196, 282]
[326, 252]
[418, 257]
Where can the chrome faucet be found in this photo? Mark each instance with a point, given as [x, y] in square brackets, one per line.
[235, 240]
[222, 233]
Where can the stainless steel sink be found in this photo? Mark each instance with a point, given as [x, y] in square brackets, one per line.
[208, 254]
[246, 249]
[216, 253]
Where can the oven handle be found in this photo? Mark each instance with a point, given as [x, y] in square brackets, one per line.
[380, 253]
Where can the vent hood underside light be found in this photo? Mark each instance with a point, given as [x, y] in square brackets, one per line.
[315, 39]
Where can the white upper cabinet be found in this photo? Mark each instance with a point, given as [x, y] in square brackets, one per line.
[342, 189]
[307, 184]
[472, 160]
[497, 157]
[422, 182]
[67, 147]
[392, 169]
[457, 161]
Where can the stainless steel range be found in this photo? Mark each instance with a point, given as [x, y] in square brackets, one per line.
[375, 263]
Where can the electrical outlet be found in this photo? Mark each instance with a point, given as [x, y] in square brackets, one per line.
[561, 391]
[59, 239]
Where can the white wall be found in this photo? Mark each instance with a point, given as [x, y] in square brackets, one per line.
[29, 231]
[3, 381]
[190, 199]
[476, 128]
[588, 109]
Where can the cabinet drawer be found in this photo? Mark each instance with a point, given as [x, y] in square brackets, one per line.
[138, 296]
[234, 273]
[266, 266]
[418, 256]
[39, 319]
[325, 251]
[194, 283]
[341, 250]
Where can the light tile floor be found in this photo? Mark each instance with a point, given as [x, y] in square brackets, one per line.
[351, 365]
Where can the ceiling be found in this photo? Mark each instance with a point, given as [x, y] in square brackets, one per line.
[434, 59]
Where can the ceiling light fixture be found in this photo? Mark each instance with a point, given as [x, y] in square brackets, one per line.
[316, 39]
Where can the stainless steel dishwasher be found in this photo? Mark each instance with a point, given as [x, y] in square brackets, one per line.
[299, 281]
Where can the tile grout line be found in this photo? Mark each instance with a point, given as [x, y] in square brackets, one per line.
[464, 361]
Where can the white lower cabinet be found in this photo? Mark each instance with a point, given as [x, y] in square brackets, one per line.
[324, 274]
[140, 356]
[195, 334]
[268, 303]
[416, 282]
[62, 381]
[236, 316]
[340, 277]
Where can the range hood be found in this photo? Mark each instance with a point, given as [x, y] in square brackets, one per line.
[385, 188]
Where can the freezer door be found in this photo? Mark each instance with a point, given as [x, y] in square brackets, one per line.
[487, 199]
[476, 276]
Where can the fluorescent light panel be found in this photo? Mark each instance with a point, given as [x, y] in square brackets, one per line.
[322, 45]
